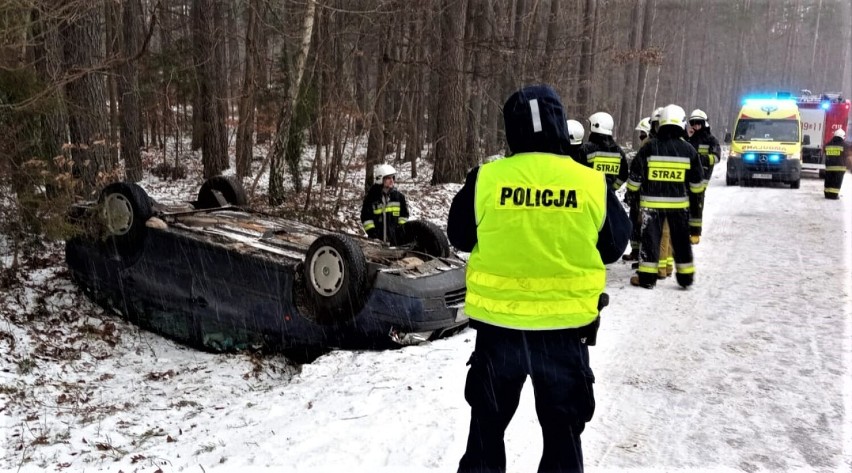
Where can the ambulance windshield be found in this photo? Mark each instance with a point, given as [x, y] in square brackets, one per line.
[750, 129]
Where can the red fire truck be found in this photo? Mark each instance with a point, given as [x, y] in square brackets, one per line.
[822, 115]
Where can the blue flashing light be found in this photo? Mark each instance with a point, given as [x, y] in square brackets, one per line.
[749, 157]
[765, 100]
[775, 158]
[825, 105]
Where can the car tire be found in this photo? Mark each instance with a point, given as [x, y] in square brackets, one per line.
[123, 208]
[228, 186]
[335, 279]
[427, 238]
[795, 184]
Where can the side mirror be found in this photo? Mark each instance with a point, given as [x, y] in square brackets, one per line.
[806, 140]
[728, 137]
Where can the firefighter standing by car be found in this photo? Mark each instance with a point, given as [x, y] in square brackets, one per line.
[540, 229]
[835, 152]
[384, 210]
[575, 139]
[664, 172]
[708, 151]
[602, 153]
[632, 198]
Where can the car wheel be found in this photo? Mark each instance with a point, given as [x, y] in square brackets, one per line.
[228, 188]
[335, 279]
[124, 208]
[427, 238]
[795, 184]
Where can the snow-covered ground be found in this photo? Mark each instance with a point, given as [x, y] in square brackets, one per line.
[749, 370]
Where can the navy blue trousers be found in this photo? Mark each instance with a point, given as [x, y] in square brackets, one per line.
[558, 364]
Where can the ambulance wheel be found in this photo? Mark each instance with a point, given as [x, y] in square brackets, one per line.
[822, 173]
[795, 184]
[730, 180]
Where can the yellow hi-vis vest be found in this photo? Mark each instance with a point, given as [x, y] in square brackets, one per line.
[536, 265]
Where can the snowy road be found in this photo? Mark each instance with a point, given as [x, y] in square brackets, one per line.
[749, 370]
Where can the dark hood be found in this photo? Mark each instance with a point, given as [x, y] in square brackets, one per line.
[668, 132]
[601, 139]
[527, 131]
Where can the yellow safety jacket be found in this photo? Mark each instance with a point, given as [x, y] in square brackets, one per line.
[536, 263]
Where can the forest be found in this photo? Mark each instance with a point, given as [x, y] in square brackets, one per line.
[88, 88]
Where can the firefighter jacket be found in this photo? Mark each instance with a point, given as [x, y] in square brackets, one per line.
[603, 154]
[384, 214]
[834, 154]
[667, 173]
[535, 265]
[708, 149]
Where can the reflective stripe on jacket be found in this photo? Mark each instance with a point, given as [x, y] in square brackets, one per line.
[535, 264]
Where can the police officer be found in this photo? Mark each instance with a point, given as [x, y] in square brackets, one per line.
[540, 229]
[575, 139]
[602, 153]
[834, 165]
[708, 151]
[384, 210]
[664, 172]
[632, 198]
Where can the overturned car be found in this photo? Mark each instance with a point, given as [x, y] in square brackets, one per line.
[216, 275]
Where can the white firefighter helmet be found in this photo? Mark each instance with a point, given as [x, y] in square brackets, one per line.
[601, 122]
[839, 133]
[673, 115]
[575, 132]
[644, 125]
[655, 117]
[698, 115]
[382, 171]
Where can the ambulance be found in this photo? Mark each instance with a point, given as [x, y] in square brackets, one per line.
[766, 145]
[822, 115]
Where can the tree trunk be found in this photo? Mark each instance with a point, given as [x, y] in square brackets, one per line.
[647, 23]
[278, 164]
[86, 96]
[245, 129]
[587, 58]
[449, 144]
[128, 89]
[211, 117]
[629, 116]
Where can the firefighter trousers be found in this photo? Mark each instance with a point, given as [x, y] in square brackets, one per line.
[834, 171]
[558, 364]
[652, 234]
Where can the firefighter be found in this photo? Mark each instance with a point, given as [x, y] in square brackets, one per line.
[664, 172]
[834, 164]
[575, 138]
[540, 229]
[708, 151]
[384, 210]
[602, 153]
[643, 127]
[632, 198]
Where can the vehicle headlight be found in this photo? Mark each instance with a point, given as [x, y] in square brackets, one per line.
[750, 157]
[775, 157]
[796, 156]
[733, 155]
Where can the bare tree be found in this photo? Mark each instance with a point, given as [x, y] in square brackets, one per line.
[245, 129]
[450, 166]
[86, 95]
[128, 89]
[210, 99]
